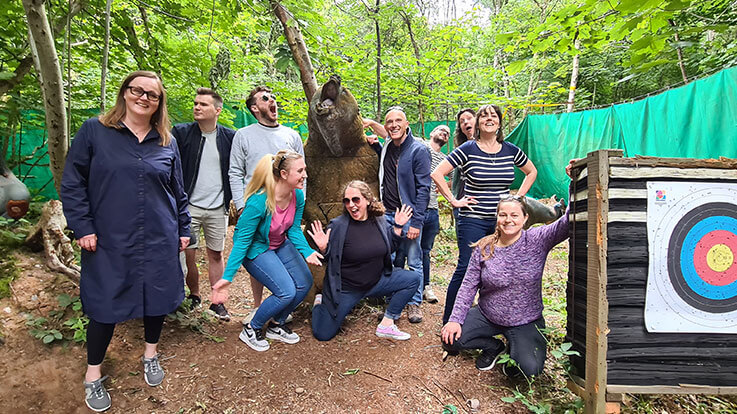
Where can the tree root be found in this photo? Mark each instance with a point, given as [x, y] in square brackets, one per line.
[48, 234]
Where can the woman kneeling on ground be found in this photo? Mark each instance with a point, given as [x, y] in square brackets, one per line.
[506, 268]
[268, 240]
[358, 245]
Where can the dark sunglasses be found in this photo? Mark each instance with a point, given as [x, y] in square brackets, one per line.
[511, 197]
[265, 97]
[151, 95]
[355, 200]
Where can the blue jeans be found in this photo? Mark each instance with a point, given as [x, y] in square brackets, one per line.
[413, 252]
[430, 229]
[401, 285]
[469, 230]
[285, 273]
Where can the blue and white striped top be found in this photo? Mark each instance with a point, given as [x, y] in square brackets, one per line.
[488, 176]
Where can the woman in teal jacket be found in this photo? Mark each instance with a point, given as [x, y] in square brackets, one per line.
[267, 241]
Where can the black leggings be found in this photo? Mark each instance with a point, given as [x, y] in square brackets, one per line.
[527, 345]
[99, 335]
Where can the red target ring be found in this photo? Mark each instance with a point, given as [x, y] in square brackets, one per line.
[715, 258]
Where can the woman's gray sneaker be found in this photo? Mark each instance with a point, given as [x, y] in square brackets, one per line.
[152, 371]
[254, 338]
[282, 333]
[96, 396]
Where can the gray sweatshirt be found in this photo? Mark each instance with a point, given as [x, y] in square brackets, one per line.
[250, 144]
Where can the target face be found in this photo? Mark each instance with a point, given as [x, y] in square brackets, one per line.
[692, 238]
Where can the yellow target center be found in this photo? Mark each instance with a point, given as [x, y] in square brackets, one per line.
[720, 258]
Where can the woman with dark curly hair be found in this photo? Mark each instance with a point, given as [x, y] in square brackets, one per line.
[358, 246]
[465, 120]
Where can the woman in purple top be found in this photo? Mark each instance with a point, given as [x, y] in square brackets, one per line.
[506, 268]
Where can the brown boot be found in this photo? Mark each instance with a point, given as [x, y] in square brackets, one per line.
[414, 314]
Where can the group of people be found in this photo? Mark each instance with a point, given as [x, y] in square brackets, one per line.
[136, 191]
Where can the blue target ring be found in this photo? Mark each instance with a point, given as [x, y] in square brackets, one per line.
[690, 275]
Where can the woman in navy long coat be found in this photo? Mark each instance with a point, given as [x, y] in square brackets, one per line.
[124, 199]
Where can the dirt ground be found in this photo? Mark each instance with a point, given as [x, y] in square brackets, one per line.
[356, 372]
[205, 376]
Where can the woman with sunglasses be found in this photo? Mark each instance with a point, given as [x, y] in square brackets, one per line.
[124, 198]
[358, 245]
[506, 269]
[487, 164]
[268, 241]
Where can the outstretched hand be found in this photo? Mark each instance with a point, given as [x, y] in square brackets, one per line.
[403, 214]
[314, 259]
[319, 236]
[220, 291]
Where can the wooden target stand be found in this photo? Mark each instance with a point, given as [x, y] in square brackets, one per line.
[608, 267]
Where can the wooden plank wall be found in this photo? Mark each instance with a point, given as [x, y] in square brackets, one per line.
[576, 285]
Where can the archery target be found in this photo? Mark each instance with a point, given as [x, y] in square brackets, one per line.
[692, 240]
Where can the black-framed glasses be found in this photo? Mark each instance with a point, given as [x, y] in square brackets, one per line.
[137, 91]
[265, 97]
[355, 200]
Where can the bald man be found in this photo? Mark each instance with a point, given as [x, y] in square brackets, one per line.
[404, 178]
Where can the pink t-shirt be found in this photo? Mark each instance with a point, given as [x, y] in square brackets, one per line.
[281, 221]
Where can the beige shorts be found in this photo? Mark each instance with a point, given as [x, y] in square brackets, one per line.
[213, 223]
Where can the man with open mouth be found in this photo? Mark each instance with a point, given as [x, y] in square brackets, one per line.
[250, 144]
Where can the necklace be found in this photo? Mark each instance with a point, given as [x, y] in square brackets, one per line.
[489, 154]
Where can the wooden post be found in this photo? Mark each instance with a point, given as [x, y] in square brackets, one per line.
[597, 305]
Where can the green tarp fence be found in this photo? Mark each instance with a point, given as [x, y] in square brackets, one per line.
[30, 145]
[698, 120]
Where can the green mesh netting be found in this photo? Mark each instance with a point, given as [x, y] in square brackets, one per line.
[698, 120]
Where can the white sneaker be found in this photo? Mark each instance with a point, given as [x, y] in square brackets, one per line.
[254, 338]
[282, 333]
[391, 332]
[429, 295]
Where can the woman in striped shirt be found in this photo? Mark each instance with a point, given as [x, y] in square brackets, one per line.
[488, 165]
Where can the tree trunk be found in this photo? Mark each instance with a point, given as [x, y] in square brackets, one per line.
[378, 63]
[105, 55]
[299, 49]
[679, 51]
[420, 86]
[531, 83]
[51, 87]
[574, 75]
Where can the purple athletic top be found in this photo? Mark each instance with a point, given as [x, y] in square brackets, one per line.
[510, 282]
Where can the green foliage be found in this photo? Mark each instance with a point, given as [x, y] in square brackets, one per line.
[449, 409]
[65, 323]
[197, 321]
[40, 329]
[12, 235]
